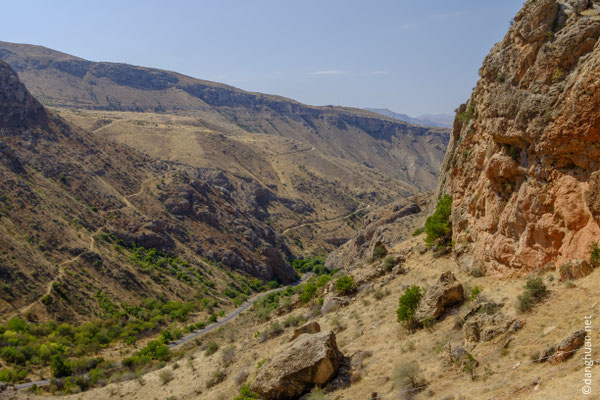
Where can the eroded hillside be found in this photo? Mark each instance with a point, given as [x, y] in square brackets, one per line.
[81, 215]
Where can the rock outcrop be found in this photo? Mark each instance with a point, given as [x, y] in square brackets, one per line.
[567, 347]
[18, 108]
[522, 166]
[386, 226]
[575, 269]
[308, 361]
[447, 292]
[310, 327]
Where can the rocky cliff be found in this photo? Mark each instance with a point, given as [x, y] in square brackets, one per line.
[522, 166]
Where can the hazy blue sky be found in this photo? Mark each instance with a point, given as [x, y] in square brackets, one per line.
[411, 56]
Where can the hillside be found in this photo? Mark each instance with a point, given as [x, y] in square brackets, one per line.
[80, 215]
[335, 161]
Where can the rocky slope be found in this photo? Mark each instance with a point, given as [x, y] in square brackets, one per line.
[74, 208]
[522, 167]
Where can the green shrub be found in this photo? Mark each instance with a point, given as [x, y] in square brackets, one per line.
[211, 348]
[475, 292]
[308, 291]
[468, 114]
[389, 262]
[60, 367]
[535, 290]
[314, 264]
[247, 394]
[156, 350]
[418, 231]
[408, 303]
[12, 375]
[594, 254]
[345, 284]
[437, 226]
[536, 287]
[379, 251]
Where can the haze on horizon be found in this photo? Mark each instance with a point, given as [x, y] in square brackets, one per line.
[408, 56]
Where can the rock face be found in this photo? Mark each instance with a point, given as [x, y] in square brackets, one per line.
[18, 108]
[522, 165]
[308, 361]
[445, 293]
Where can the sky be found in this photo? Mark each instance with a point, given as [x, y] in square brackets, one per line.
[413, 57]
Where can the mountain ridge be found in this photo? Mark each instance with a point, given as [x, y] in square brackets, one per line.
[435, 120]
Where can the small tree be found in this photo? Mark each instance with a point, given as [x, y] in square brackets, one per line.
[594, 254]
[60, 367]
[437, 226]
[345, 284]
[408, 303]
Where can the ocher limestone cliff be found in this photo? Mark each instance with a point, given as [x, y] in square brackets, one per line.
[522, 166]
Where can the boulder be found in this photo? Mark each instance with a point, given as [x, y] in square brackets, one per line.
[484, 321]
[444, 294]
[567, 347]
[310, 327]
[575, 269]
[308, 361]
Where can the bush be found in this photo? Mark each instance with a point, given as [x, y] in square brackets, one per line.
[594, 254]
[468, 114]
[315, 264]
[166, 376]
[389, 263]
[536, 287]
[308, 291]
[60, 367]
[211, 348]
[475, 292]
[228, 354]
[408, 303]
[12, 375]
[379, 251]
[155, 350]
[437, 226]
[217, 377]
[345, 284]
[317, 394]
[240, 378]
[247, 394]
[535, 290]
[408, 376]
[418, 231]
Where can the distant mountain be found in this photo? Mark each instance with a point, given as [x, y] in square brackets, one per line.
[437, 120]
[327, 162]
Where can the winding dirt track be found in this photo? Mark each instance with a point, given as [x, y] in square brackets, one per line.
[323, 221]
